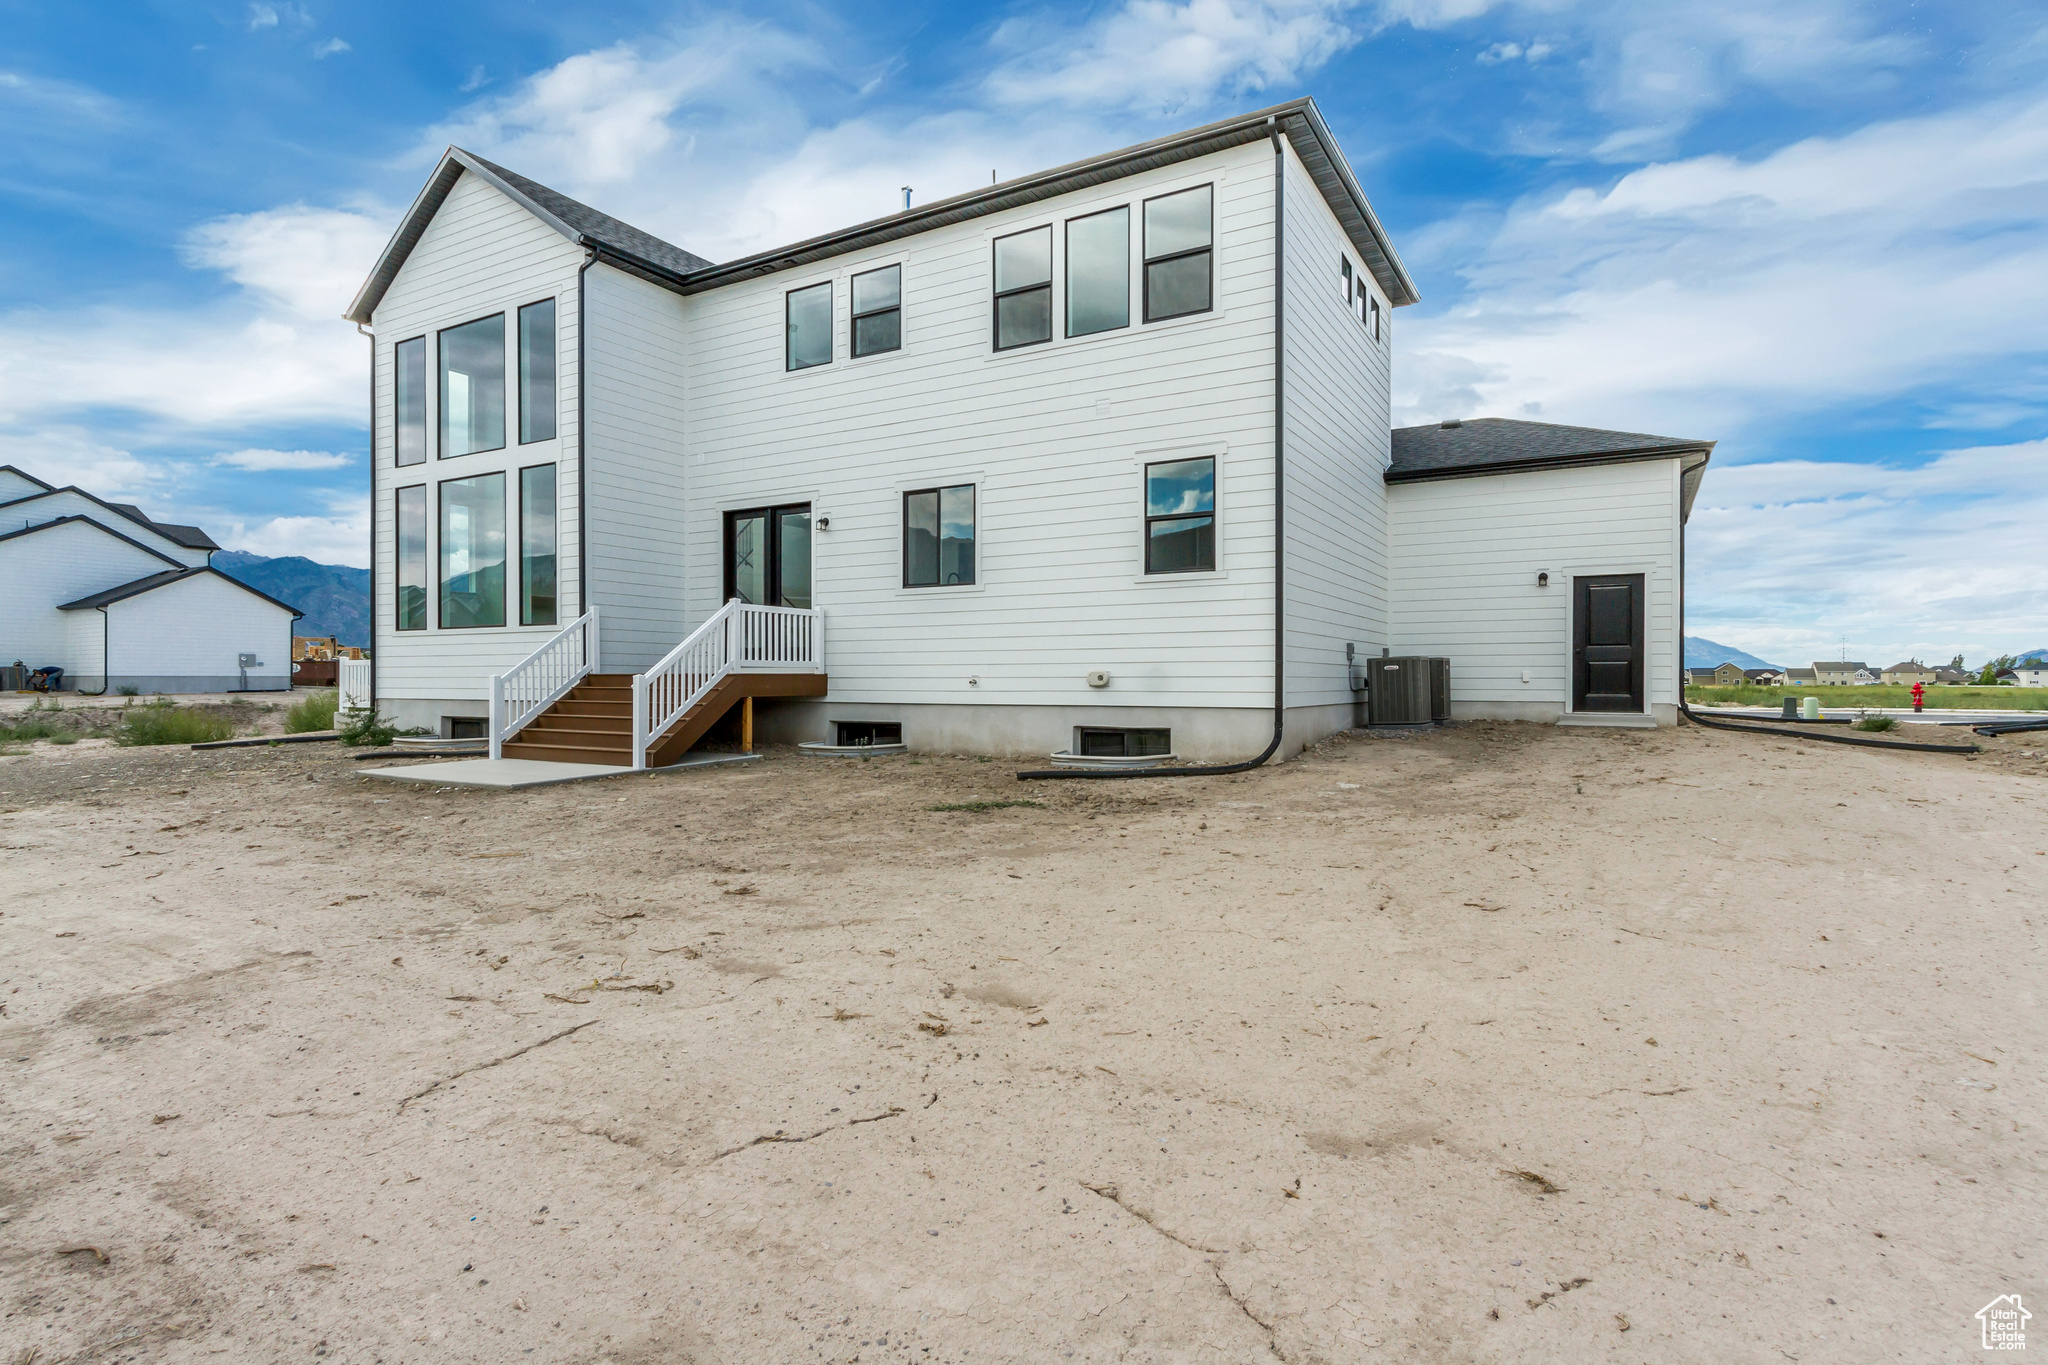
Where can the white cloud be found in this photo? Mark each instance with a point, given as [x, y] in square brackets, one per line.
[264, 460]
[1701, 295]
[1532, 53]
[341, 537]
[331, 47]
[262, 16]
[1157, 55]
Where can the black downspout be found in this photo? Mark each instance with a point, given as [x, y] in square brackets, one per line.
[583, 442]
[106, 655]
[1279, 513]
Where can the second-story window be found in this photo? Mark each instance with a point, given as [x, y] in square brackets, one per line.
[1099, 272]
[1375, 324]
[878, 310]
[938, 537]
[809, 322]
[1345, 262]
[473, 387]
[1180, 516]
[1178, 238]
[409, 399]
[1024, 288]
[537, 372]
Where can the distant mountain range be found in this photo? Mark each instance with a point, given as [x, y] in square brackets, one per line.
[335, 598]
[1701, 652]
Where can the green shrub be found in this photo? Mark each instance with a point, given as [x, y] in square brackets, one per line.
[126, 690]
[1878, 723]
[365, 728]
[314, 712]
[159, 722]
[31, 727]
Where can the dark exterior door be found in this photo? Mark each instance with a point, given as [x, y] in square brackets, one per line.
[768, 556]
[1607, 642]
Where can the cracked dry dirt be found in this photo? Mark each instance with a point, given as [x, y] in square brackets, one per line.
[1501, 1044]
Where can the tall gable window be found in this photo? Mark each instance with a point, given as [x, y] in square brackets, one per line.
[537, 545]
[473, 387]
[809, 323]
[1180, 516]
[537, 372]
[409, 395]
[473, 552]
[410, 598]
[1024, 288]
[1178, 239]
[878, 311]
[1099, 272]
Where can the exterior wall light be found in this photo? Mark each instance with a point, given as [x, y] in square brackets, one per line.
[1543, 579]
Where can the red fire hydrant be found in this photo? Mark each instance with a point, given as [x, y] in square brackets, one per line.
[1919, 696]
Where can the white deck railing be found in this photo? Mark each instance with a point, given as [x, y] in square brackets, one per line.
[542, 678]
[738, 638]
[353, 685]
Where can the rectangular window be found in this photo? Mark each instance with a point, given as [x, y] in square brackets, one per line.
[852, 733]
[473, 552]
[878, 310]
[938, 537]
[1375, 319]
[1099, 272]
[537, 545]
[1178, 237]
[1024, 288]
[1180, 516]
[1094, 742]
[409, 392]
[473, 387]
[537, 372]
[1345, 262]
[809, 315]
[410, 604]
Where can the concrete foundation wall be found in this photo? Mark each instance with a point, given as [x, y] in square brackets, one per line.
[149, 685]
[1542, 712]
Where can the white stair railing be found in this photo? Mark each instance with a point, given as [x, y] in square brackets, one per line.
[353, 685]
[543, 678]
[738, 638]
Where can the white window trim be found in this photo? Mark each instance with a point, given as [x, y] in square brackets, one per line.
[905, 486]
[1216, 450]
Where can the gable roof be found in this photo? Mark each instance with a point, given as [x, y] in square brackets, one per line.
[191, 537]
[1499, 445]
[107, 530]
[1909, 666]
[20, 473]
[1839, 666]
[653, 259]
[151, 582]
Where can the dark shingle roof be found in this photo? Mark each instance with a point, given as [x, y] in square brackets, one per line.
[108, 530]
[151, 582]
[601, 228]
[191, 537]
[1491, 444]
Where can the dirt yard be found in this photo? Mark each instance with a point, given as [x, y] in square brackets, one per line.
[1504, 1044]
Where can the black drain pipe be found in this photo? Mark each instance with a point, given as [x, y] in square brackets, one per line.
[1279, 515]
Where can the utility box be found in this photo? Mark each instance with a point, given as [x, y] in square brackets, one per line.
[1440, 690]
[1399, 691]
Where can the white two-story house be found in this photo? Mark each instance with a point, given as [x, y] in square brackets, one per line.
[1095, 460]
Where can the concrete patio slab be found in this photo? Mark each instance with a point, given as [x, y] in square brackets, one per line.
[506, 773]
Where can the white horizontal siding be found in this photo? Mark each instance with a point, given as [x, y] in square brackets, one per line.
[1054, 434]
[1337, 407]
[66, 503]
[197, 628]
[1466, 553]
[45, 570]
[481, 254]
[16, 485]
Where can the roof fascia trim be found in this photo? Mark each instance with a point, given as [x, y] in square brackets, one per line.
[1704, 450]
[152, 582]
[23, 473]
[108, 530]
[150, 527]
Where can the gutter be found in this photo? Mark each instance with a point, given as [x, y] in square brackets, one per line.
[1279, 514]
[106, 654]
[583, 431]
[373, 527]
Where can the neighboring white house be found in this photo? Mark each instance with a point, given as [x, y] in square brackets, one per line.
[2031, 672]
[119, 601]
[1096, 459]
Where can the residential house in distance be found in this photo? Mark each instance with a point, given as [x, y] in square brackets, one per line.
[1096, 460]
[124, 603]
[1801, 677]
[1842, 673]
[1907, 673]
[1765, 677]
[1954, 677]
[2031, 673]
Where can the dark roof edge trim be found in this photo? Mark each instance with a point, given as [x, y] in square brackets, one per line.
[143, 522]
[80, 516]
[1704, 449]
[23, 473]
[139, 586]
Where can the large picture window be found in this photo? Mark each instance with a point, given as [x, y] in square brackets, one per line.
[1099, 272]
[473, 387]
[473, 552]
[537, 545]
[537, 372]
[808, 315]
[878, 310]
[1024, 288]
[1178, 238]
[938, 537]
[410, 589]
[1180, 516]
[409, 399]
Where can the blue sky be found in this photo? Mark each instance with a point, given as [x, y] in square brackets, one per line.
[1817, 232]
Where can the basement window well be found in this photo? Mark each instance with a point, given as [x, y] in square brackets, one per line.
[1093, 742]
[857, 732]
